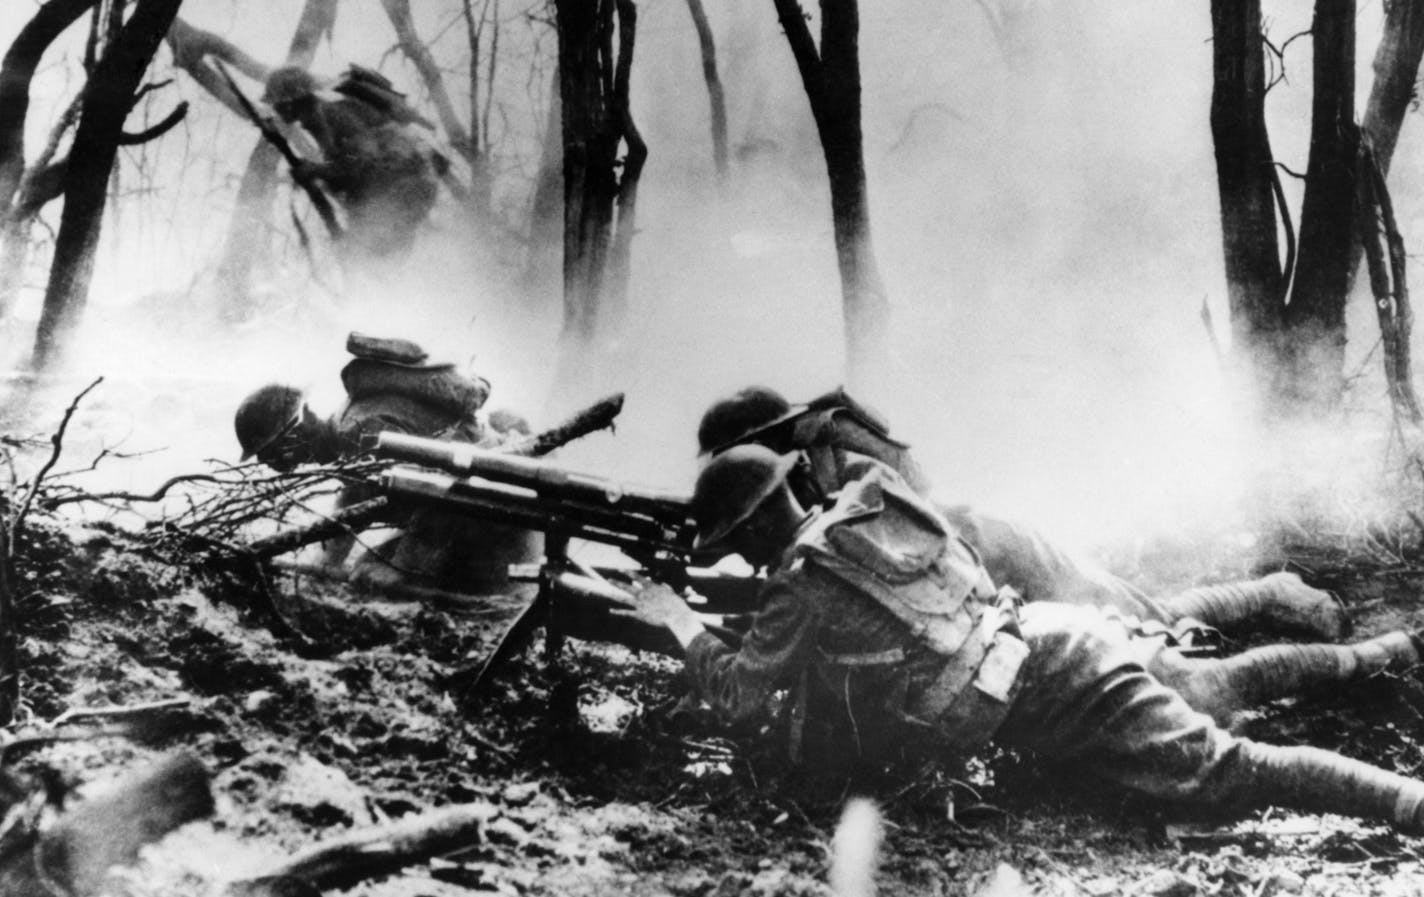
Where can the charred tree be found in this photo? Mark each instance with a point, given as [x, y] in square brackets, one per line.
[108, 96]
[1315, 315]
[1383, 248]
[547, 204]
[716, 97]
[251, 217]
[598, 202]
[1288, 319]
[831, 77]
[23, 191]
[1396, 69]
[481, 178]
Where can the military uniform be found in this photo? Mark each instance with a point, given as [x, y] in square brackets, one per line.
[833, 432]
[880, 614]
[394, 389]
[386, 178]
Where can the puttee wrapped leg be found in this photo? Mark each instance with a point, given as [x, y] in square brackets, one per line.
[1221, 687]
[1279, 602]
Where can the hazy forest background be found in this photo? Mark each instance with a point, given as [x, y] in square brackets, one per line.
[1044, 204]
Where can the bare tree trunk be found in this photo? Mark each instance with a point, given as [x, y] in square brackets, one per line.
[108, 96]
[1396, 68]
[481, 180]
[591, 137]
[832, 82]
[621, 251]
[547, 204]
[18, 68]
[1383, 248]
[1315, 315]
[715, 95]
[1245, 184]
[251, 217]
[398, 11]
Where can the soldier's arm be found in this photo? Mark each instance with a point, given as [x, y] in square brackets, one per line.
[738, 682]
[1023, 559]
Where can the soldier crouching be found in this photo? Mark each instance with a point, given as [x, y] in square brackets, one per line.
[391, 387]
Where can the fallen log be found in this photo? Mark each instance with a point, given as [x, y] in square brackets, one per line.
[73, 853]
[379, 850]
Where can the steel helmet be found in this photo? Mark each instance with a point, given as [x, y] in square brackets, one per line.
[731, 487]
[265, 415]
[288, 83]
[732, 418]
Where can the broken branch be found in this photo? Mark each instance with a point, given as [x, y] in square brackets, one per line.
[56, 440]
[347, 860]
[169, 122]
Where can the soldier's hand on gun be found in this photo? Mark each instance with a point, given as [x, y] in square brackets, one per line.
[656, 604]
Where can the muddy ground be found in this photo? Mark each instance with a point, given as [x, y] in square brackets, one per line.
[592, 784]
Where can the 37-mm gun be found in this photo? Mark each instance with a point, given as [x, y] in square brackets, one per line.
[652, 527]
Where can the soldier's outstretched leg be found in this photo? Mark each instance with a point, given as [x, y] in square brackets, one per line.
[1086, 700]
[1221, 687]
[1280, 602]
[1321, 781]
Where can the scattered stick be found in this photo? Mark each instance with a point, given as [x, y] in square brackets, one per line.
[345, 522]
[75, 714]
[379, 850]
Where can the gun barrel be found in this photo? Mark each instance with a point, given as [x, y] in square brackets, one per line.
[464, 459]
[520, 506]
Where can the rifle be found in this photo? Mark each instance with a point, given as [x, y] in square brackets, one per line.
[652, 527]
[318, 199]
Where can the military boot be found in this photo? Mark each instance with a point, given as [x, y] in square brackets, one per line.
[1280, 602]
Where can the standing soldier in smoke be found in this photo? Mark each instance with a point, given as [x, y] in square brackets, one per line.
[385, 176]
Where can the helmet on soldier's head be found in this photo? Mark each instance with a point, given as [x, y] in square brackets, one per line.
[288, 83]
[266, 415]
[732, 486]
[732, 418]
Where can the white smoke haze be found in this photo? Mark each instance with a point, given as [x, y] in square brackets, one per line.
[1044, 213]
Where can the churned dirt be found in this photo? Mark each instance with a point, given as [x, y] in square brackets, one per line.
[591, 782]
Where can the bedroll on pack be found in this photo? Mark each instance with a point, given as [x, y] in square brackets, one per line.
[375, 90]
[388, 349]
[394, 367]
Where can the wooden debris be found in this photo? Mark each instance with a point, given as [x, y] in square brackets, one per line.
[346, 860]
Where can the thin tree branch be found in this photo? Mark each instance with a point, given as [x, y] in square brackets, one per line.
[169, 122]
[57, 441]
